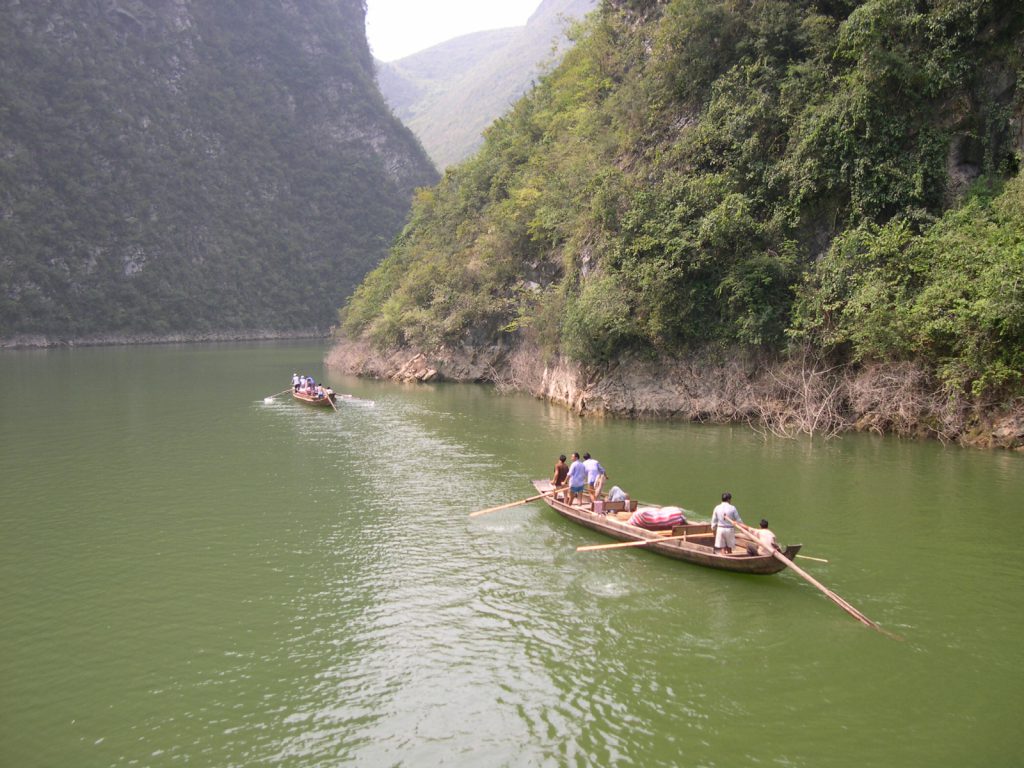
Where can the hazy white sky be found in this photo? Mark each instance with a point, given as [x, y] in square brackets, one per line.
[396, 28]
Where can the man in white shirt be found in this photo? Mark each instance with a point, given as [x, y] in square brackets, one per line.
[723, 520]
[595, 476]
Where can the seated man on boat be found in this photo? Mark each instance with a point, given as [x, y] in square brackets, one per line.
[658, 518]
[763, 540]
[617, 494]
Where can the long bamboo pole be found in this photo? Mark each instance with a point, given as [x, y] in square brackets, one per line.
[514, 503]
[640, 542]
[818, 585]
[830, 594]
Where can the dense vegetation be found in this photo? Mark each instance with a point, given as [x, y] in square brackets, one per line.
[192, 166]
[832, 175]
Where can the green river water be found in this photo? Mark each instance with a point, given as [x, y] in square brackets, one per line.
[192, 576]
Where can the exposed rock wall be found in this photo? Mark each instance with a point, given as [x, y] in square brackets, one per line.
[782, 397]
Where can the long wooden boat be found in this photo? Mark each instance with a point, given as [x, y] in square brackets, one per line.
[323, 402]
[696, 546]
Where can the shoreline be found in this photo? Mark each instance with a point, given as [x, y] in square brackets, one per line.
[44, 341]
[781, 397]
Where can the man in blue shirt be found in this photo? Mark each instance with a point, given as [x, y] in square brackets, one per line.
[577, 478]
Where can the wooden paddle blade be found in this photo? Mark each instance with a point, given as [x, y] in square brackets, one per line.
[831, 595]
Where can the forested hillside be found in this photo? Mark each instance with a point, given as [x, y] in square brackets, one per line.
[191, 166]
[830, 180]
[449, 93]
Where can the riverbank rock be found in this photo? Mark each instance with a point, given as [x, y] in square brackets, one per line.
[1008, 432]
[416, 369]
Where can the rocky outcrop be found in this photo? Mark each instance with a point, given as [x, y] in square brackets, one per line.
[410, 365]
[416, 369]
[1006, 431]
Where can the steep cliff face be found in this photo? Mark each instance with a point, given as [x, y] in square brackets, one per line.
[174, 166]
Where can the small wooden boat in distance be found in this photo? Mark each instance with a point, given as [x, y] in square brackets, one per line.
[695, 546]
[322, 402]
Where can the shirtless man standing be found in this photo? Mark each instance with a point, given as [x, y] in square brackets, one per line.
[558, 479]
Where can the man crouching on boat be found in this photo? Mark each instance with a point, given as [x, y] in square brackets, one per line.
[723, 521]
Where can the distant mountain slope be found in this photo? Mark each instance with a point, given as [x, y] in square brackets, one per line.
[190, 166]
[449, 93]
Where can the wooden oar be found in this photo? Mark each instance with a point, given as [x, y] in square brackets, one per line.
[640, 542]
[815, 559]
[825, 590]
[830, 594]
[514, 503]
[329, 400]
[271, 397]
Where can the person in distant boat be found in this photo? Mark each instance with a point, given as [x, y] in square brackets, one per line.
[328, 392]
[577, 479]
[320, 394]
[766, 542]
[595, 476]
[561, 473]
[296, 380]
[723, 523]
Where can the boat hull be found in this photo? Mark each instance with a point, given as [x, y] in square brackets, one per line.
[679, 549]
[318, 402]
